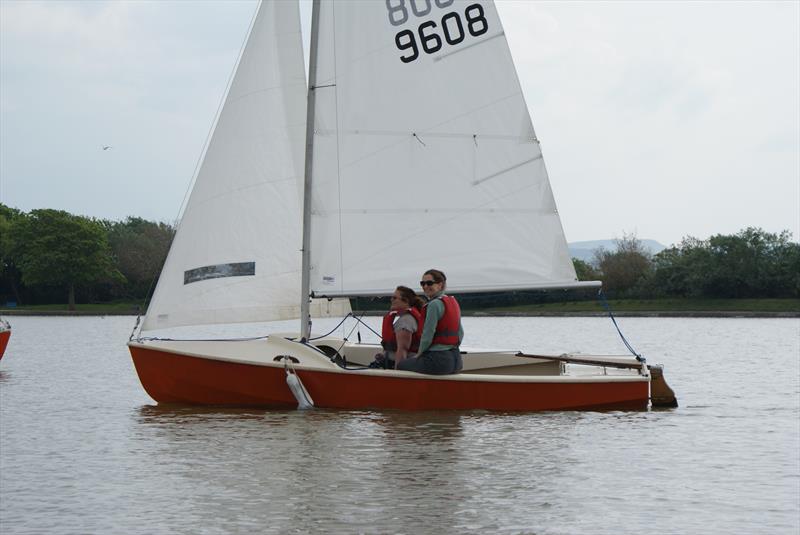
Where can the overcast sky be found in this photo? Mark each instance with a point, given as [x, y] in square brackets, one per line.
[663, 119]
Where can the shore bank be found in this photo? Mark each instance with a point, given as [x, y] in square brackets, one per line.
[644, 308]
[23, 312]
[468, 313]
[640, 314]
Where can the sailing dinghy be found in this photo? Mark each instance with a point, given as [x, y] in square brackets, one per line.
[411, 147]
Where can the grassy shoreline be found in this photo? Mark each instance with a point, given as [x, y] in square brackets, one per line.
[622, 307]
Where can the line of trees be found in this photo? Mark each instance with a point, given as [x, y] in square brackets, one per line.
[750, 264]
[47, 256]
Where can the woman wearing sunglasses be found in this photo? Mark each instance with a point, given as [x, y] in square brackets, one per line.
[401, 329]
[442, 333]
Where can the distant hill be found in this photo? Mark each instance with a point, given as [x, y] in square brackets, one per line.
[584, 250]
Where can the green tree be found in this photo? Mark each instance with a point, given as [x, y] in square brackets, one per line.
[585, 271]
[625, 268]
[56, 248]
[140, 248]
[681, 270]
[752, 263]
[9, 273]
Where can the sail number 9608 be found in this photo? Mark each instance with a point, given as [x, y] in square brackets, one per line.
[451, 26]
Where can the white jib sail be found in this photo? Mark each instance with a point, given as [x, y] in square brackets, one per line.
[425, 155]
[236, 254]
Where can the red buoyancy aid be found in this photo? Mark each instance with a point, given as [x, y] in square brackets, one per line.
[447, 327]
[388, 336]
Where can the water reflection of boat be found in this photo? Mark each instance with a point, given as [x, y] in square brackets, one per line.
[421, 99]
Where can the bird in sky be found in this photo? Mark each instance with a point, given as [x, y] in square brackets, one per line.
[106, 147]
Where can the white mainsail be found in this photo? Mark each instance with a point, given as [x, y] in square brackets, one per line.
[236, 254]
[425, 155]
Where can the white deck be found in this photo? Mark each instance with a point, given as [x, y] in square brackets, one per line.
[479, 365]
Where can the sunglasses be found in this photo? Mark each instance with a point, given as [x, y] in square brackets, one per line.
[427, 283]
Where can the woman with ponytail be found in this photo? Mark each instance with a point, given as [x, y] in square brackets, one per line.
[401, 329]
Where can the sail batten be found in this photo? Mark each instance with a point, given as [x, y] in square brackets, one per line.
[477, 43]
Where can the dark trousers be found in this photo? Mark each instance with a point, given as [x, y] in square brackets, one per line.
[434, 362]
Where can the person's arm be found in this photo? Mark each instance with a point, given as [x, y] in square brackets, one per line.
[432, 317]
[403, 344]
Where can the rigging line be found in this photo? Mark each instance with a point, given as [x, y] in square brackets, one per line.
[601, 296]
[148, 296]
[344, 340]
[133, 332]
[366, 324]
[332, 330]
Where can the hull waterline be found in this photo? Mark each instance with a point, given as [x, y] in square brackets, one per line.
[175, 378]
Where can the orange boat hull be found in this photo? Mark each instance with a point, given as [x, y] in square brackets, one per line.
[174, 378]
[4, 337]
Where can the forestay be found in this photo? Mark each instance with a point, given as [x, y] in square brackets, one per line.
[236, 254]
[425, 154]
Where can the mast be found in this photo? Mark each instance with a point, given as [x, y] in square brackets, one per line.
[305, 282]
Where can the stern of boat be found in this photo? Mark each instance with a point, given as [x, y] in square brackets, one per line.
[661, 395]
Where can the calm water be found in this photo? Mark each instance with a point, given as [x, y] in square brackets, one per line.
[83, 449]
